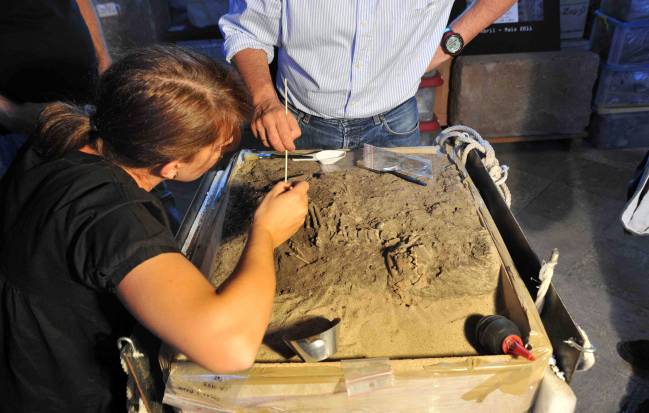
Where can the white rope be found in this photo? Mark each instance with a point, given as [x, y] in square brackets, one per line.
[588, 357]
[555, 369]
[134, 402]
[587, 350]
[545, 275]
[460, 140]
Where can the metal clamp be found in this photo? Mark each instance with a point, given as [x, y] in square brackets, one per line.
[584, 349]
[123, 342]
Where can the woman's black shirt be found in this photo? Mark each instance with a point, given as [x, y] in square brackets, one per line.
[70, 230]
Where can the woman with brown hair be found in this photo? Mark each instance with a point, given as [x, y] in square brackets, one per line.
[84, 247]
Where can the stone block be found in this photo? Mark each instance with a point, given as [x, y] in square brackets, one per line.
[524, 94]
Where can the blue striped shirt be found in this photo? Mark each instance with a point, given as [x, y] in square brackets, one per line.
[342, 58]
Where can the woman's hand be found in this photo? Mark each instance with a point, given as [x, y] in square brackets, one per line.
[282, 211]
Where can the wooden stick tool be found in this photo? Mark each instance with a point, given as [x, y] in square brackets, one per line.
[286, 113]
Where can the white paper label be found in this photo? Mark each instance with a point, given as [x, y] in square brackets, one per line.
[510, 16]
[107, 10]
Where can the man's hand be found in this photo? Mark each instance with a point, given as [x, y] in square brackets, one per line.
[273, 127]
[270, 124]
[439, 58]
[282, 211]
[19, 117]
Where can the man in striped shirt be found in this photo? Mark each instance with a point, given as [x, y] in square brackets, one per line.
[352, 67]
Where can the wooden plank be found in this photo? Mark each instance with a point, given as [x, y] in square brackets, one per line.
[441, 93]
[531, 138]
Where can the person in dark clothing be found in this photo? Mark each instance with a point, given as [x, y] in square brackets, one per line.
[85, 249]
[636, 352]
[50, 50]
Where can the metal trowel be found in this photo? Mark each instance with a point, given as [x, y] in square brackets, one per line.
[325, 157]
[316, 347]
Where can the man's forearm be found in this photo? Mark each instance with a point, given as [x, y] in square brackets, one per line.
[252, 64]
[96, 33]
[470, 23]
[480, 16]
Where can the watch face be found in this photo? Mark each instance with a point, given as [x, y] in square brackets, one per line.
[453, 44]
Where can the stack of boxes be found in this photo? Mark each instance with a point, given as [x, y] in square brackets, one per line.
[620, 34]
[573, 15]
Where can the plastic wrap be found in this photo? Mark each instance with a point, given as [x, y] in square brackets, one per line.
[472, 384]
[623, 85]
[451, 384]
[382, 159]
[627, 10]
[621, 128]
[619, 42]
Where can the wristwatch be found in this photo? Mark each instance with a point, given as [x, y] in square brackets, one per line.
[452, 43]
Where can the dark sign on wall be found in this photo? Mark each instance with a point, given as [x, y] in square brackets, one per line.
[529, 26]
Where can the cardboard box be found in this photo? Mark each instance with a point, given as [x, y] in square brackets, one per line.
[441, 93]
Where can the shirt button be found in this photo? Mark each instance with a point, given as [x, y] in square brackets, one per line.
[359, 66]
[364, 23]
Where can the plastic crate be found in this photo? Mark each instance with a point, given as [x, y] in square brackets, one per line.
[620, 128]
[426, 95]
[428, 130]
[573, 18]
[623, 85]
[627, 10]
[620, 42]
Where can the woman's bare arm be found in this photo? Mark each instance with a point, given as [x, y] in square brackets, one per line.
[220, 330]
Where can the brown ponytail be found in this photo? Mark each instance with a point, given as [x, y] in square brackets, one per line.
[155, 105]
[62, 128]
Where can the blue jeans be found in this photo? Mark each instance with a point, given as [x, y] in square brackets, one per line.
[396, 127]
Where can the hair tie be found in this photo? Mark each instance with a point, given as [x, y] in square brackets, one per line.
[89, 110]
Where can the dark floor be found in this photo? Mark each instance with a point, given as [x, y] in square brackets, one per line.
[569, 195]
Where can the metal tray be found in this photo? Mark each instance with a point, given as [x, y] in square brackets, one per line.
[200, 230]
